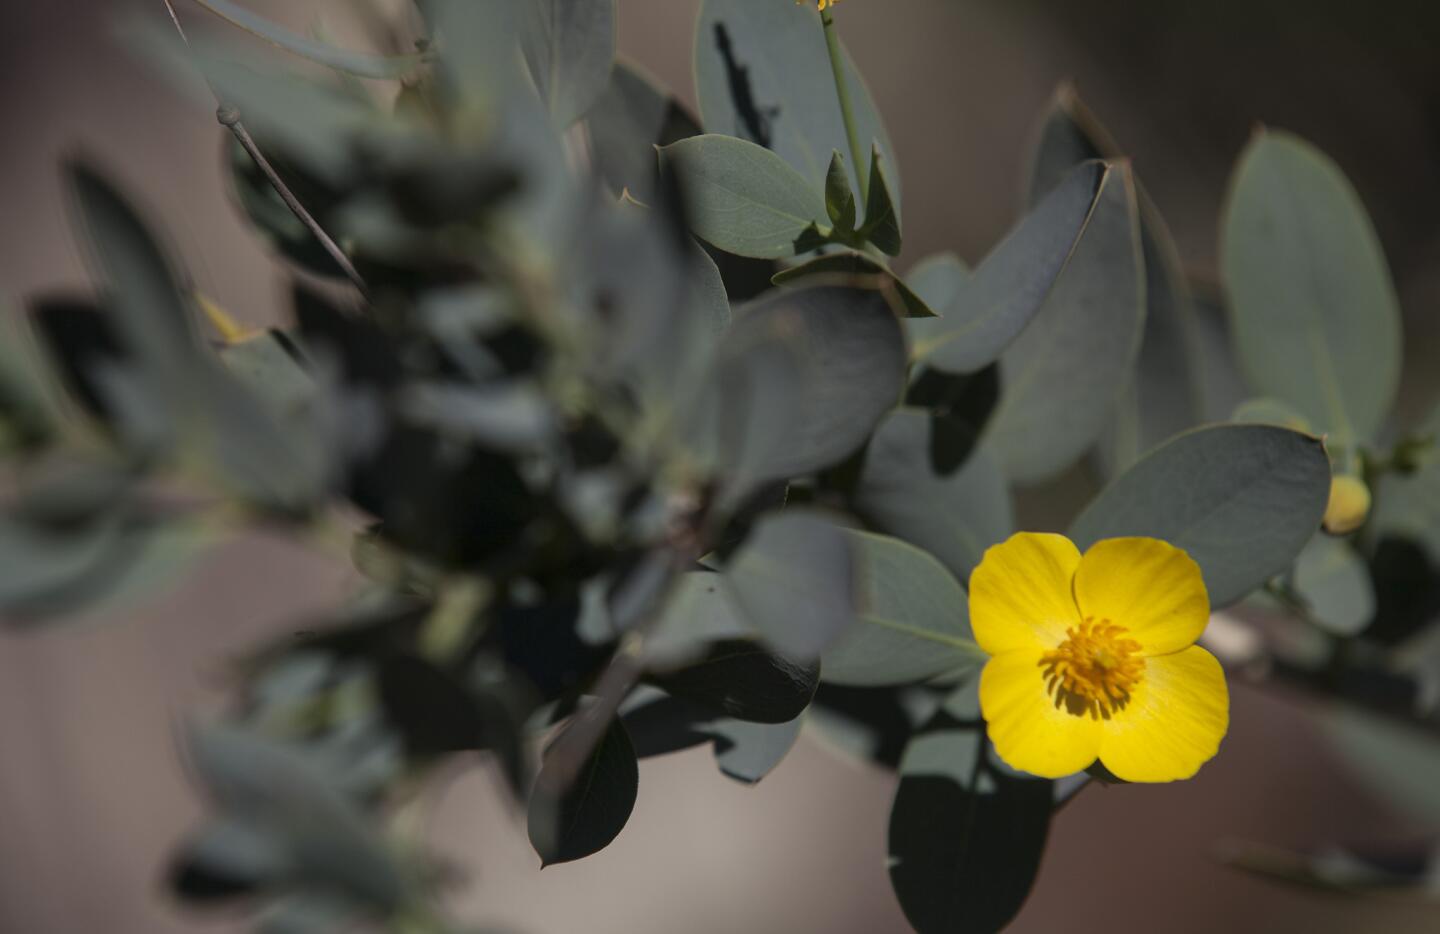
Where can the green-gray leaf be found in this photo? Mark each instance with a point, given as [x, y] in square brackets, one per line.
[354, 63]
[1315, 316]
[762, 73]
[955, 515]
[1165, 398]
[852, 263]
[839, 197]
[966, 833]
[914, 621]
[1062, 376]
[1335, 582]
[1242, 500]
[795, 579]
[802, 378]
[744, 199]
[981, 313]
[882, 213]
[593, 809]
[632, 117]
[570, 47]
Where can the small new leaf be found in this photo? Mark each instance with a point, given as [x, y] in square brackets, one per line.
[882, 220]
[839, 198]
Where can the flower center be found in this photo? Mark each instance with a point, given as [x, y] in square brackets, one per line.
[1094, 670]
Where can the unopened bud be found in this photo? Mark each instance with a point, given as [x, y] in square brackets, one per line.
[1348, 506]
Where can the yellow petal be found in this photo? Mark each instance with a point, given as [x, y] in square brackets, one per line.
[1174, 722]
[1150, 587]
[1028, 731]
[1020, 594]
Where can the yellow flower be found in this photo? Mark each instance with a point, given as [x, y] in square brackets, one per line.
[1094, 658]
[819, 4]
[1348, 505]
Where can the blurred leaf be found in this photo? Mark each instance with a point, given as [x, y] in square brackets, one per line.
[227, 859]
[1335, 868]
[873, 724]
[1165, 398]
[839, 196]
[1062, 377]
[854, 263]
[273, 368]
[966, 833]
[570, 47]
[594, 809]
[744, 199]
[747, 752]
[905, 489]
[1315, 316]
[882, 216]
[280, 792]
[744, 679]
[1269, 412]
[762, 73]
[353, 63]
[744, 750]
[151, 318]
[1399, 761]
[27, 406]
[1334, 581]
[983, 312]
[795, 579]
[436, 713]
[913, 623]
[633, 116]
[1242, 500]
[105, 564]
[834, 360]
[272, 217]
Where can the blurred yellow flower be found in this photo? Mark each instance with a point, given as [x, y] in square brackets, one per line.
[819, 4]
[1348, 505]
[1093, 657]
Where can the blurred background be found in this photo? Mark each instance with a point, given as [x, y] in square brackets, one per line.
[93, 793]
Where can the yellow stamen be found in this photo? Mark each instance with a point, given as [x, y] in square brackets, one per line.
[1094, 670]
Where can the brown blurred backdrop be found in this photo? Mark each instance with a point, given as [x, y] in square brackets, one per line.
[92, 793]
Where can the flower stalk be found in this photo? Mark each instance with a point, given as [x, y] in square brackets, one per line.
[842, 91]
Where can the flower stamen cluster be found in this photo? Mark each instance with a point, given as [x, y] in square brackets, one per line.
[1094, 670]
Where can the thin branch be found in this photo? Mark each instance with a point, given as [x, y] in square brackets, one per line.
[229, 117]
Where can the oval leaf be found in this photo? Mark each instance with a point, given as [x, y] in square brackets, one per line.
[1063, 375]
[744, 199]
[762, 73]
[354, 63]
[914, 621]
[907, 491]
[1334, 580]
[1242, 500]
[838, 356]
[594, 809]
[795, 580]
[1315, 316]
[966, 833]
[853, 263]
[570, 47]
[1167, 394]
[983, 312]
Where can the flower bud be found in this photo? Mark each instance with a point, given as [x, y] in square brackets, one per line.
[1348, 506]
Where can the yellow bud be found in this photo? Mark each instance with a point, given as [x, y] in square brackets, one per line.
[1348, 506]
[820, 4]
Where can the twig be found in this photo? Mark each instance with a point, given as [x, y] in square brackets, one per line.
[229, 117]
